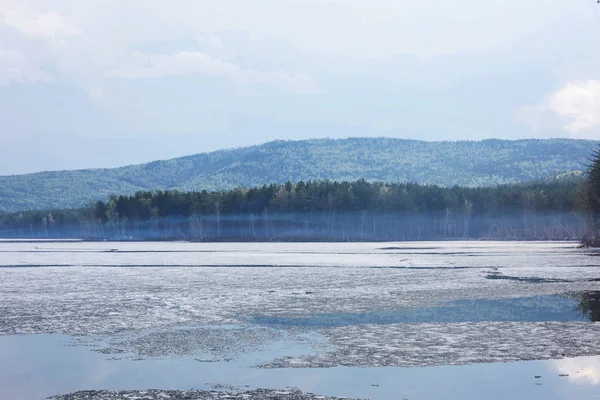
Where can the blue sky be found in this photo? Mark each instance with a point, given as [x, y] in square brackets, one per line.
[101, 83]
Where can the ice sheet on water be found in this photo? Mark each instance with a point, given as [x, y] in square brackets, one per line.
[247, 280]
[83, 300]
[471, 254]
[207, 344]
[259, 394]
[412, 345]
[78, 301]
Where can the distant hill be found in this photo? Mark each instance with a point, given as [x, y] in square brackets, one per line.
[466, 163]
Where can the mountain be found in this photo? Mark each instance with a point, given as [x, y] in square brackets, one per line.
[465, 163]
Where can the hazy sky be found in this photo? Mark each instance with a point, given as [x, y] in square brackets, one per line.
[90, 83]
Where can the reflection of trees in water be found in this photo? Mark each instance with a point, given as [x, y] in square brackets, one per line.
[589, 305]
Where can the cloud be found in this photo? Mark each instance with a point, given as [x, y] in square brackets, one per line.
[33, 43]
[92, 54]
[209, 40]
[97, 92]
[16, 68]
[452, 69]
[365, 29]
[580, 102]
[575, 108]
[144, 65]
[585, 370]
[49, 24]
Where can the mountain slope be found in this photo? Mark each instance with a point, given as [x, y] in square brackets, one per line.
[465, 163]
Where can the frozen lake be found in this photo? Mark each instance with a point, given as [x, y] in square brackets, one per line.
[361, 320]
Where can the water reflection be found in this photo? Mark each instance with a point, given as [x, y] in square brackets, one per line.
[589, 305]
[37, 366]
[559, 308]
[582, 371]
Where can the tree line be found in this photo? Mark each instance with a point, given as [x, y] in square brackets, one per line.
[322, 211]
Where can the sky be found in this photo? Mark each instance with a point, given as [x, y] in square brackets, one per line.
[103, 83]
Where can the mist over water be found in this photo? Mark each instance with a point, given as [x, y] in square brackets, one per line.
[307, 227]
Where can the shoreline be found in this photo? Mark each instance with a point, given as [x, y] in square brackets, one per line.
[596, 243]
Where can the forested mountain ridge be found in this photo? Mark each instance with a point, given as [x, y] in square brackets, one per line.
[465, 163]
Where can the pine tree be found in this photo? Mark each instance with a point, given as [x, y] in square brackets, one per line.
[590, 192]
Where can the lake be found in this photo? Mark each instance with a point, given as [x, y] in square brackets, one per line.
[420, 320]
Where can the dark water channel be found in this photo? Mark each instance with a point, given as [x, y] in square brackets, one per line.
[577, 307]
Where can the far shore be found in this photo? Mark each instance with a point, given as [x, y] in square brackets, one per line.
[583, 243]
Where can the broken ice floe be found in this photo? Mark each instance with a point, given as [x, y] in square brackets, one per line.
[259, 394]
[411, 345]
